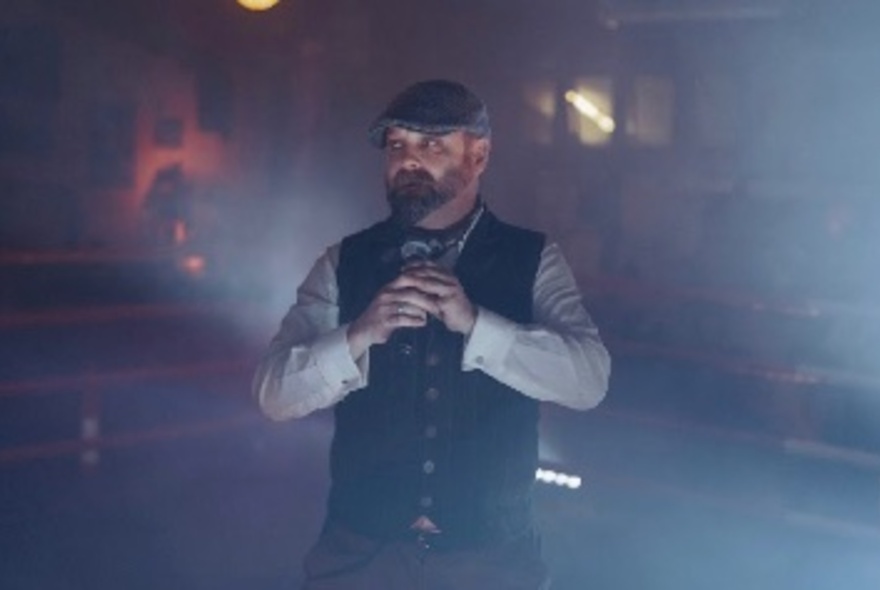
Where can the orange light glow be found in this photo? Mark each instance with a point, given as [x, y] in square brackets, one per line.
[193, 265]
[258, 5]
[180, 233]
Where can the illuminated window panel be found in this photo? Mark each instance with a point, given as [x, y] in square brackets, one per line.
[590, 111]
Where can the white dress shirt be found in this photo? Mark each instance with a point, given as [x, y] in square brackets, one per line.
[558, 358]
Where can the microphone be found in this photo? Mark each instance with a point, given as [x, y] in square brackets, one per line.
[417, 250]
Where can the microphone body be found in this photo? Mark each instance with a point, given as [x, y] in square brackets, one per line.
[418, 250]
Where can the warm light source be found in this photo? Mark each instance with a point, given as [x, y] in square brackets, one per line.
[587, 108]
[193, 265]
[258, 5]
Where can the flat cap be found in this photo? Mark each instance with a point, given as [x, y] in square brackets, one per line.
[433, 106]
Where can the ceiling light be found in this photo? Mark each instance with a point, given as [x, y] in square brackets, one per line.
[258, 5]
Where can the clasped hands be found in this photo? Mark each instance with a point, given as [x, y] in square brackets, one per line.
[423, 289]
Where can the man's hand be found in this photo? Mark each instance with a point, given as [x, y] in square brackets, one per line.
[452, 306]
[402, 303]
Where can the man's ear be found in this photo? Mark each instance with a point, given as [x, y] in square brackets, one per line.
[480, 150]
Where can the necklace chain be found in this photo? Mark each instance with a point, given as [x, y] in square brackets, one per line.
[464, 237]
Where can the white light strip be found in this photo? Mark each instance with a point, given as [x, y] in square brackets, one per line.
[549, 476]
[586, 107]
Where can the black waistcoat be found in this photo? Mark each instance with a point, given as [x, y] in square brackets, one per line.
[425, 437]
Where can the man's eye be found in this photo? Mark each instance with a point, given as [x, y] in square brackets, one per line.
[432, 143]
[394, 146]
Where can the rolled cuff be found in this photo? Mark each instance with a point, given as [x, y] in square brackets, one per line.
[333, 359]
[489, 342]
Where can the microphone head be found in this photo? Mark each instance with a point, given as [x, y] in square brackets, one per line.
[414, 250]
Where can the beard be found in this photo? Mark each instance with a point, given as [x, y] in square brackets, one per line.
[415, 194]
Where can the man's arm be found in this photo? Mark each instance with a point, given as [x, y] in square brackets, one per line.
[309, 364]
[559, 357]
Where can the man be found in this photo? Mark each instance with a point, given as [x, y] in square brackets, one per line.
[435, 334]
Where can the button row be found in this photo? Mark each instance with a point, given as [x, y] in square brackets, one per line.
[407, 349]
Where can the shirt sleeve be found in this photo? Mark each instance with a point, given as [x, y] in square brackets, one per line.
[309, 365]
[559, 357]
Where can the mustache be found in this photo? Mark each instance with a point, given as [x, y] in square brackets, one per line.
[408, 177]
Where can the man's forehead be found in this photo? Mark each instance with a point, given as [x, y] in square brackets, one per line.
[401, 132]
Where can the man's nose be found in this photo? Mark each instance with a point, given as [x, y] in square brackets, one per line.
[411, 160]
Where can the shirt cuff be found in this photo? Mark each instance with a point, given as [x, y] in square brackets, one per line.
[333, 358]
[489, 342]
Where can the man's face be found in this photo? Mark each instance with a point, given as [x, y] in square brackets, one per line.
[425, 172]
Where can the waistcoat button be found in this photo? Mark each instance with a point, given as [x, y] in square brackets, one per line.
[428, 467]
[432, 393]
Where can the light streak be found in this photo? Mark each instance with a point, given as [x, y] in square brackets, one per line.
[589, 109]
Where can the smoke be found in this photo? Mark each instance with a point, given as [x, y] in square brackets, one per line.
[260, 250]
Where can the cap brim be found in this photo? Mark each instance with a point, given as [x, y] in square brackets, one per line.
[378, 131]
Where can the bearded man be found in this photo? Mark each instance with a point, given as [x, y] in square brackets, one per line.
[434, 335]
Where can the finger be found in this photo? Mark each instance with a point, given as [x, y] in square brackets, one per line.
[425, 276]
[435, 289]
[407, 280]
[430, 271]
[413, 297]
[407, 317]
[419, 278]
[420, 264]
[404, 308]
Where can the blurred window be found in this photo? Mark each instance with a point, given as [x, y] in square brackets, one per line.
[540, 100]
[715, 97]
[651, 111]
